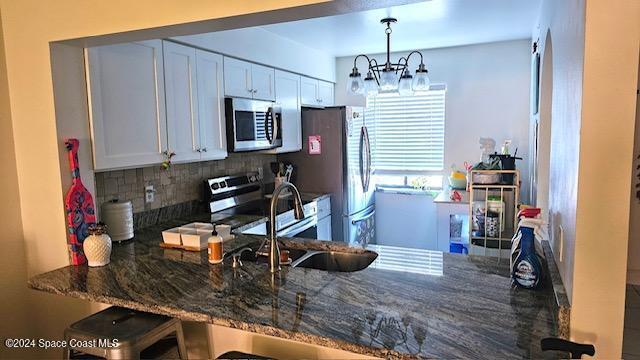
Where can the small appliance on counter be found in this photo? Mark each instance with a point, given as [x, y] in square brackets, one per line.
[118, 217]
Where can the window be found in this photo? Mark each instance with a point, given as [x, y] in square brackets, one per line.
[407, 137]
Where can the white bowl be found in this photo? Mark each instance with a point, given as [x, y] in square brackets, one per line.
[172, 236]
[195, 239]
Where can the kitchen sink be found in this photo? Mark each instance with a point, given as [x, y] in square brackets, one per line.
[294, 254]
[335, 261]
[321, 260]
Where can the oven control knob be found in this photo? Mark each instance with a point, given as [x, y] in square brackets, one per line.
[215, 186]
[252, 179]
[223, 184]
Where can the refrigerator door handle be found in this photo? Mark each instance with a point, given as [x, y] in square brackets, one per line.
[362, 159]
[368, 149]
[365, 217]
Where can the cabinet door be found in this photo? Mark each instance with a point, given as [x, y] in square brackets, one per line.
[237, 78]
[182, 101]
[288, 98]
[325, 93]
[324, 228]
[213, 142]
[127, 111]
[262, 80]
[308, 91]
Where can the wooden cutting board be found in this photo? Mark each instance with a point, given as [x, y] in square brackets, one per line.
[79, 206]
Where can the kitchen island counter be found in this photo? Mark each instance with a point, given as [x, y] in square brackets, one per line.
[412, 304]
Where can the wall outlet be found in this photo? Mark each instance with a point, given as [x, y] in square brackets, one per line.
[149, 194]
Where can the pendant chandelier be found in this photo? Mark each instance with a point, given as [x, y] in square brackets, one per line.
[388, 77]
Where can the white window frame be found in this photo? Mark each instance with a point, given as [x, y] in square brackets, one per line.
[408, 175]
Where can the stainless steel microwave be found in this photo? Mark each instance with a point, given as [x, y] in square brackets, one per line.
[252, 124]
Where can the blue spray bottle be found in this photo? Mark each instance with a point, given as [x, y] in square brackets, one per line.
[526, 268]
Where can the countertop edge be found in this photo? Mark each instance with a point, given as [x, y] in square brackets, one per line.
[255, 328]
[563, 306]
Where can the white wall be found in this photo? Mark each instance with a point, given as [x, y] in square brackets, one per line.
[406, 220]
[487, 96]
[595, 64]
[264, 47]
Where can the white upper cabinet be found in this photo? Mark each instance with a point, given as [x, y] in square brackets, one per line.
[263, 83]
[316, 92]
[237, 78]
[182, 101]
[127, 111]
[195, 122]
[288, 98]
[325, 93]
[308, 91]
[213, 140]
[247, 80]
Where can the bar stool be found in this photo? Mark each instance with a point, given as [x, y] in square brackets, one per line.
[134, 331]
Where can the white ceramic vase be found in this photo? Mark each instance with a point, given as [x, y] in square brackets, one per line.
[97, 246]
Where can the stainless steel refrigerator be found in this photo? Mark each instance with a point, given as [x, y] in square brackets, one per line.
[343, 167]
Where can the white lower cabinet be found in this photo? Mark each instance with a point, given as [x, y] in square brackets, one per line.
[288, 98]
[324, 228]
[127, 104]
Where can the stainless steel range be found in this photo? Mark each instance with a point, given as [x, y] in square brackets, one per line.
[244, 195]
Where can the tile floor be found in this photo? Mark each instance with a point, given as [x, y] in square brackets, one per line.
[631, 342]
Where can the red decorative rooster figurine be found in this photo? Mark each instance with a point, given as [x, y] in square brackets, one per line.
[79, 206]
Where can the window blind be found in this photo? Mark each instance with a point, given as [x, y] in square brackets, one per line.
[408, 131]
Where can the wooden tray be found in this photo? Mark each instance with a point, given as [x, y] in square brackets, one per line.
[190, 248]
[180, 247]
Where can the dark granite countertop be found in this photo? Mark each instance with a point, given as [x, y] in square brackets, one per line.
[413, 304]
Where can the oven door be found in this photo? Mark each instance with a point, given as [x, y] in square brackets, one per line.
[252, 125]
[306, 228]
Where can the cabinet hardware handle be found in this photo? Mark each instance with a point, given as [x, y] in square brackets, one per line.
[198, 150]
[204, 149]
[250, 90]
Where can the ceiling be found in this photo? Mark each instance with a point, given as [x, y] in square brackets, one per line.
[424, 25]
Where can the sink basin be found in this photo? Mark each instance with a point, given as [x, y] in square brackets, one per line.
[294, 254]
[336, 261]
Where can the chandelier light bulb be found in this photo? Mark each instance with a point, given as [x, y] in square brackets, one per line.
[405, 84]
[355, 85]
[370, 85]
[388, 80]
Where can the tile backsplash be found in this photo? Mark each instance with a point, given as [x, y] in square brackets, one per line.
[181, 183]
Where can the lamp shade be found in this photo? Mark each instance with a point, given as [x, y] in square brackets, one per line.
[405, 84]
[355, 85]
[370, 85]
[388, 80]
[421, 81]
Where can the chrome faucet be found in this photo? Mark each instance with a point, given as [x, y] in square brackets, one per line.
[274, 250]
